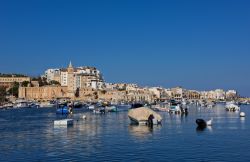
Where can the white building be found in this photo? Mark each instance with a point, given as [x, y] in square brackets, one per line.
[52, 74]
[64, 78]
[220, 94]
[231, 94]
[156, 91]
[83, 77]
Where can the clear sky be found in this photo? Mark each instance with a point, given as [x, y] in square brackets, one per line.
[203, 44]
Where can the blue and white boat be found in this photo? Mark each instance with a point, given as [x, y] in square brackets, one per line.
[63, 110]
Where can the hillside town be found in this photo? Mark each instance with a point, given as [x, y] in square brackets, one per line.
[87, 84]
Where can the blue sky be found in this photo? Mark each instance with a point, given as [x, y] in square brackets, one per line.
[196, 44]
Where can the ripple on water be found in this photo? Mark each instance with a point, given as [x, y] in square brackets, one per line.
[29, 135]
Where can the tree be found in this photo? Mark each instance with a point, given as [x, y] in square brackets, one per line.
[14, 89]
[96, 95]
[25, 83]
[2, 94]
[77, 94]
[54, 82]
[103, 91]
[41, 80]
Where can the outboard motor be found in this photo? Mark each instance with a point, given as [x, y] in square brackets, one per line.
[201, 123]
[150, 121]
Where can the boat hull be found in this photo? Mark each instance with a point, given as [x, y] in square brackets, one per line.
[64, 110]
[201, 123]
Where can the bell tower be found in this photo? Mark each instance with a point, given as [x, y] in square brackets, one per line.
[71, 81]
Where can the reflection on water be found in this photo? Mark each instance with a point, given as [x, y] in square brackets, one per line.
[140, 131]
[242, 119]
[202, 129]
[143, 131]
[210, 128]
[30, 134]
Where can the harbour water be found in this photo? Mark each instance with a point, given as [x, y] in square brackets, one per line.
[29, 135]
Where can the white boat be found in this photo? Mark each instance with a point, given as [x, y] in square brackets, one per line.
[144, 116]
[232, 107]
[175, 109]
[209, 122]
[184, 103]
[231, 102]
[210, 105]
[22, 104]
[92, 107]
[47, 105]
[160, 107]
[111, 108]
[8, 105]
[99, 110]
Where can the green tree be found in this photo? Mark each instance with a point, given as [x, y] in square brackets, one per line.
[77, 94]
[25, 83]
[53, 82]
[41, 80]
[14, 89]
[2, 94]
[103, 91]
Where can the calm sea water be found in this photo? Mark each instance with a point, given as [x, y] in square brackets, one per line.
[29, 135]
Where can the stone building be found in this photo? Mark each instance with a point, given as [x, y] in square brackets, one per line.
[83, 77]
[231, 94]
[193, 95]
[178, 93]
[8, 82]
[43, 93]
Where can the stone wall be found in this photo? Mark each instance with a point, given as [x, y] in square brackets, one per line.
[45, 93]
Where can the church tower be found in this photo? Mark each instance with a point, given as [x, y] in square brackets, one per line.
[71, 81]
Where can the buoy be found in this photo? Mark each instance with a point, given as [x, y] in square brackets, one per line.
[242, 114]
[201, 123]
[209, 123]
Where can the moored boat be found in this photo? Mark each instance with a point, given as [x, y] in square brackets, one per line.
[21, 104]
[63, 110]
[144, 116]
[48, 105]
[175, 107]
[232, 107]
[111, 108]
[201, 123]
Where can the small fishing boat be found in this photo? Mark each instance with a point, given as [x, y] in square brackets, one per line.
[201, 123]
[175, 108]
[111, 108]
[99, 110]
[48, 105]
[63, 110]
[209, 122]
[78, 104]
[92, 107]
[144, 116]
[21, 104]
[232, 107]
[7, 105]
